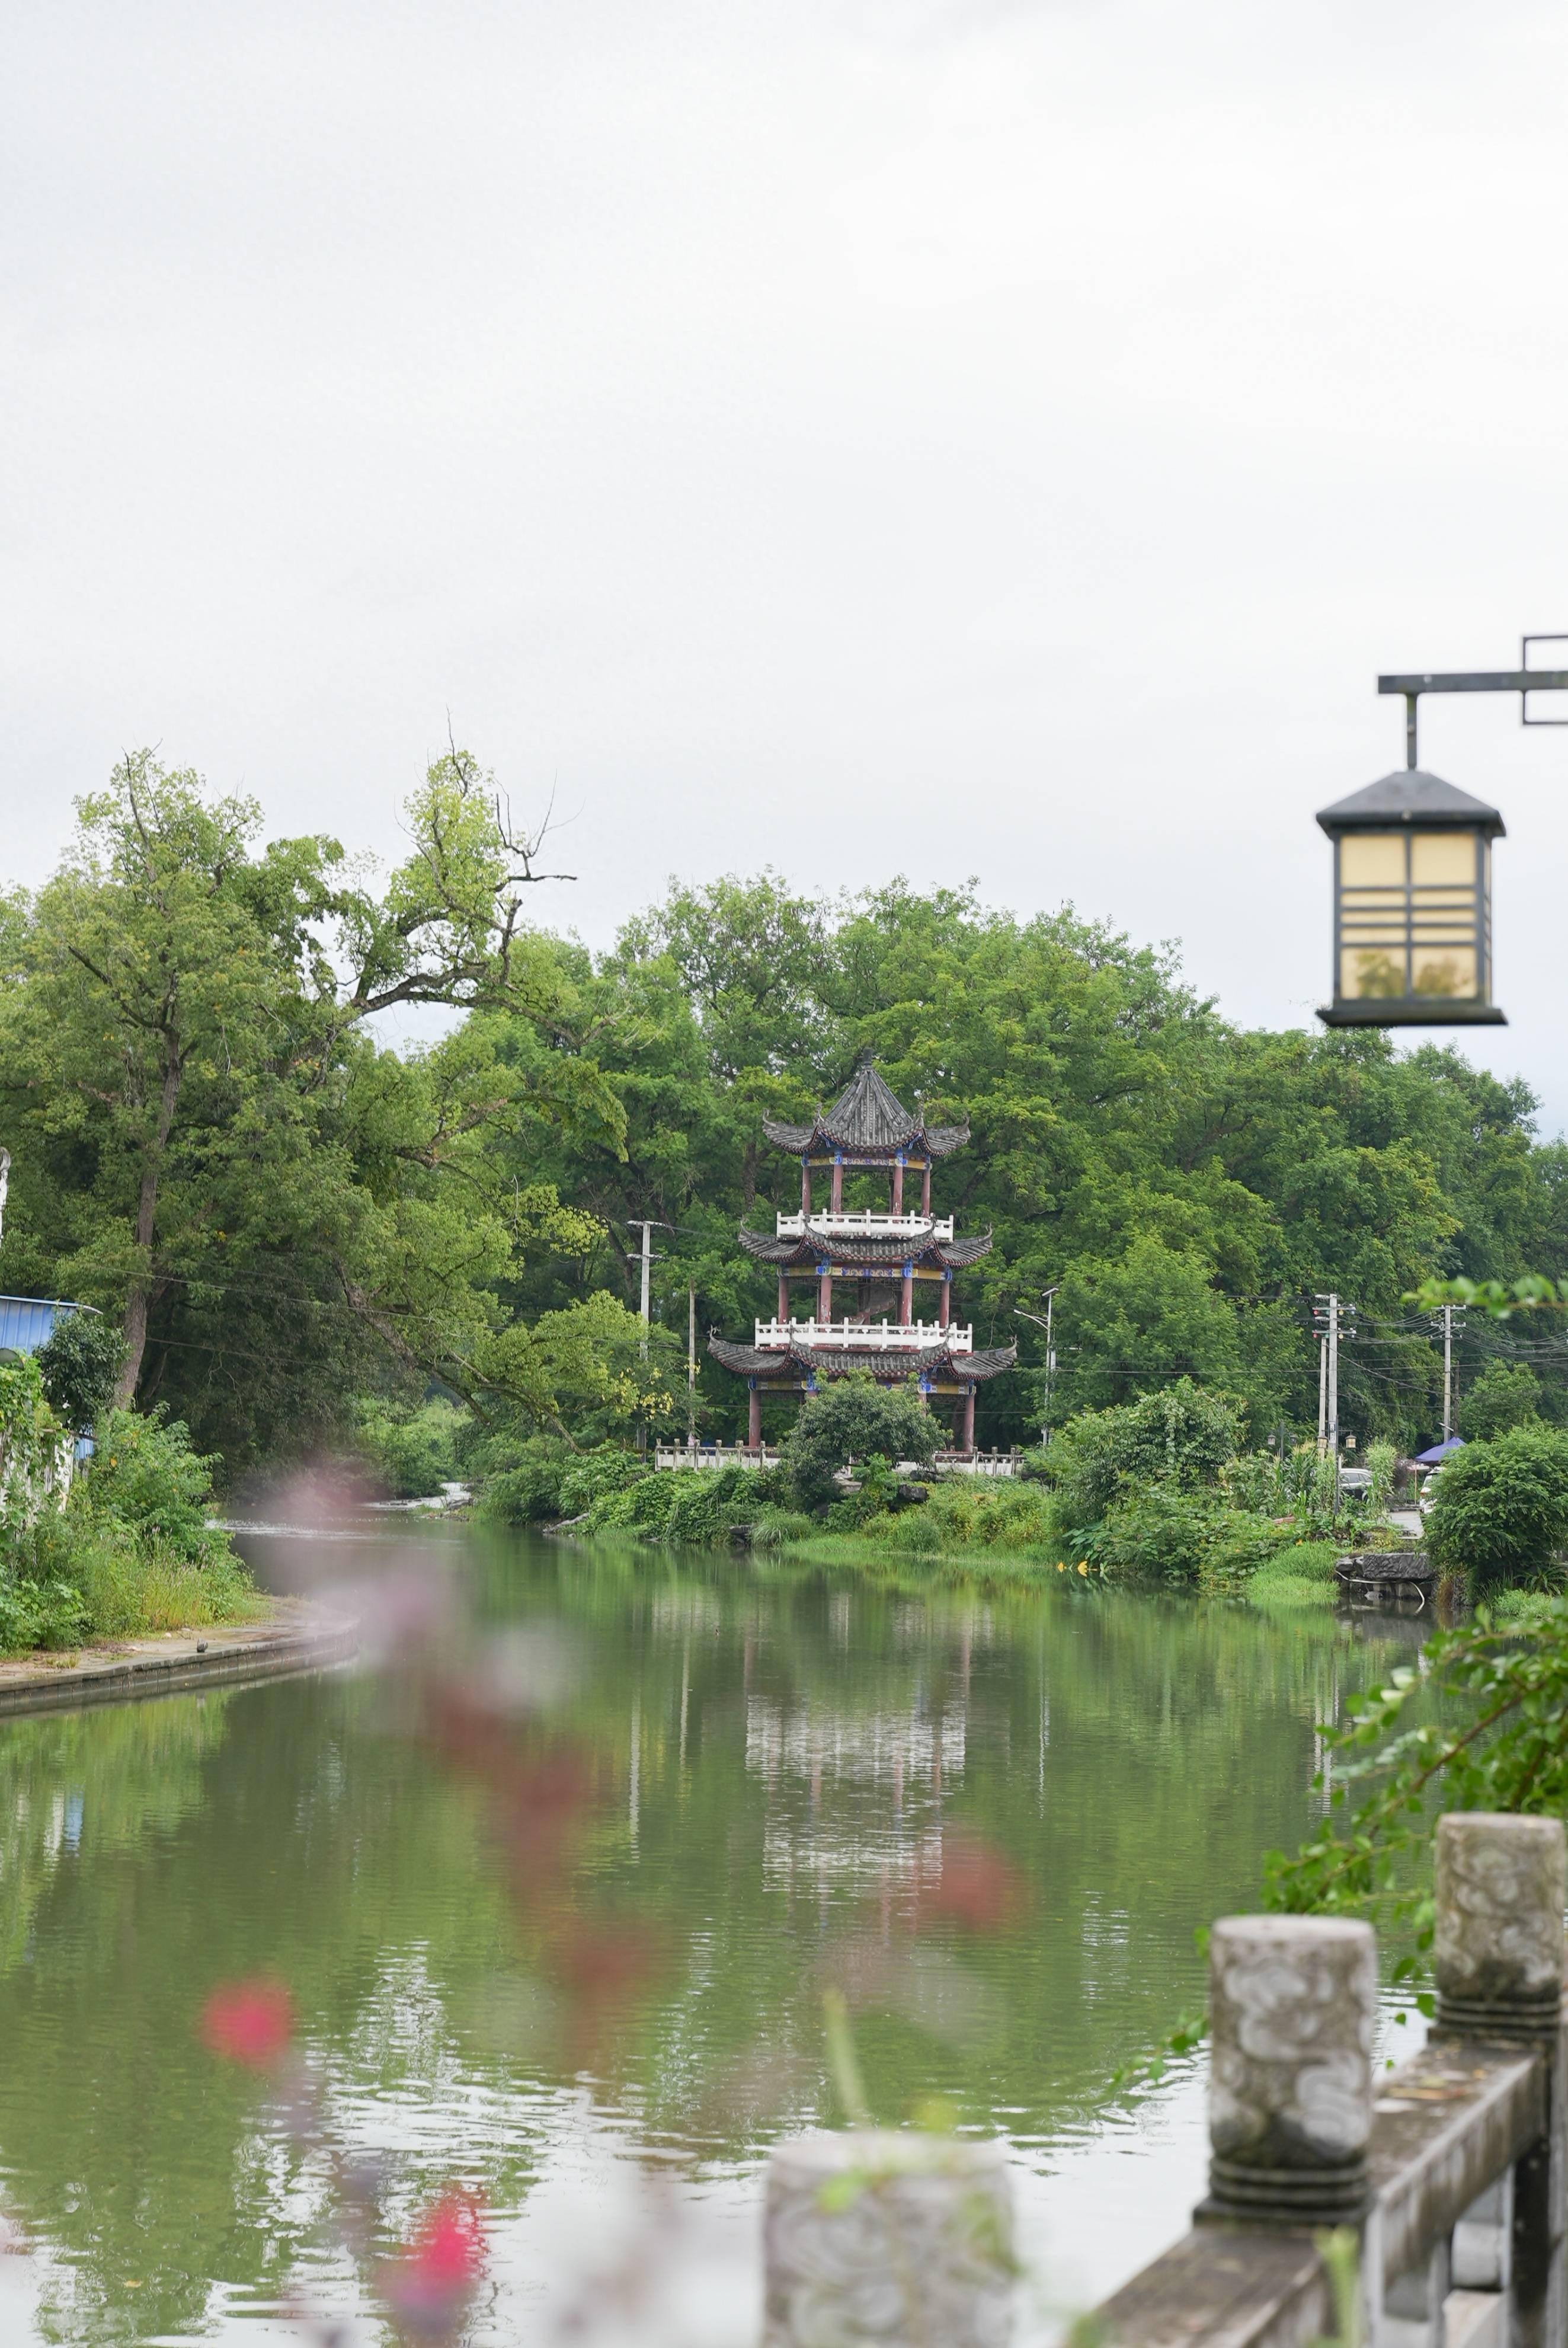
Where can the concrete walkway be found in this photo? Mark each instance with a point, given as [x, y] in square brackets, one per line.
[291, 1636]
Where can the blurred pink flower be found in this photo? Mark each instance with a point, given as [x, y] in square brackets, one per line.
[249, 2021]
[976, 1888]
[429, 2284]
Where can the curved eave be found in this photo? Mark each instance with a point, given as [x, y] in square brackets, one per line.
[748, 1360]
[838, 1361]
[792, 1138]
[871, 1254]
[824, 1141]
[976, 1368]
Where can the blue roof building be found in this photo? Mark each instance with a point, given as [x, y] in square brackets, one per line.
[28, 1322]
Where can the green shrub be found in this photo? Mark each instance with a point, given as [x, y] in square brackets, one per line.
[1181, 1437]
[1242, 1543]
[527, 1491]
[129, 1592]
[1500, 1509]
[145, 1479]
[417, 1451]
[772, 1527]
[40, 1609]
[78, 1363]
[849, 1418]
[1506, 1395]
[74, 1576]
[591, 1473]
[1162, 1534]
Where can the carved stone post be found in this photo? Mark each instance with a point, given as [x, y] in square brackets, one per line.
[1293, 2003]
[1498, 1957]
[887, 2238]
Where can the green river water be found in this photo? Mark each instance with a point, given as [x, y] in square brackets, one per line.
[562, 1938]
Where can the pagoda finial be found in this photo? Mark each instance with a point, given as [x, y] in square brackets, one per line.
[866, 1056]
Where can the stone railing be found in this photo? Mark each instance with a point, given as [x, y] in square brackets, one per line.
[1449, 2171]
[714, 1455]
[976, 1463]
[857, 1225]
[867, 1336]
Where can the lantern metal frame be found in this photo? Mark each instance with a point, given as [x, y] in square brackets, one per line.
[1413, 804]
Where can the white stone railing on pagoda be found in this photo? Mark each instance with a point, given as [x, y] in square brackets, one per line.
[867, 1226]
[866, 1336]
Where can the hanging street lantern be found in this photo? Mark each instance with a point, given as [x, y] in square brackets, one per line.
[1412, 876]
[1412, 905]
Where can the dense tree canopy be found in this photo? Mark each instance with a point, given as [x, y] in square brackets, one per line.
[278, 1212]
[1189, 1187]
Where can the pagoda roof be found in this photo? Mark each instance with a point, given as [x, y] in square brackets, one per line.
[816, 1246]
[868, 1120]
[838, 1361]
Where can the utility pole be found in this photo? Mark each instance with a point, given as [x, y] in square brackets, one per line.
[691, 1368]
[1448, 1312]
[1322, 1396]
[1329, 1313]
[647, 1281]
[646, 1260]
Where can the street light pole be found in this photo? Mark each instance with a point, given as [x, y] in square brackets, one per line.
[1049, 1296]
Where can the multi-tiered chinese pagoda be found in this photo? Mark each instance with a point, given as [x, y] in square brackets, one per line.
[861, 1269]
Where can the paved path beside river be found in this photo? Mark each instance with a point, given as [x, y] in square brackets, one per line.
[290, 1636]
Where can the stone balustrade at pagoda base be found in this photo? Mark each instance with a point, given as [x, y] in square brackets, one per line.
[1433, 2194]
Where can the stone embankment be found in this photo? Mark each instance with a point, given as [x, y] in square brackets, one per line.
[293, 1635]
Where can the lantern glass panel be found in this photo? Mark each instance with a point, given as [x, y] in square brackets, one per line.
[1446, 969]
[1372, 859]
[1439, 858]
[1370, 971]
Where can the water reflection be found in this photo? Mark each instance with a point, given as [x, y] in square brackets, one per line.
[752, 1781]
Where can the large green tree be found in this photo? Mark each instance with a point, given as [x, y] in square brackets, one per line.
[209, 1141]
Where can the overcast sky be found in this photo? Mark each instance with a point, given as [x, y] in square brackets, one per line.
[951, 436]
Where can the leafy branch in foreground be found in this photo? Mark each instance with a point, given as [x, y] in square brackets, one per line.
[1500, 1743]
[1501, 1299]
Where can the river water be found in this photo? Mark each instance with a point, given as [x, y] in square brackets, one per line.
[556, 1897]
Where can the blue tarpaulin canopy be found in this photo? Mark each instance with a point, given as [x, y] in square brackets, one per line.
[1440, 1452]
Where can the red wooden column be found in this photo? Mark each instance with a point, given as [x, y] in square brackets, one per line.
[906, 1300]
[926, 1189]
[754, 1423]
[969, 1441]
[805, 1185]
[947, 1304]
[783, 1298]
[823, 1293]
[898, 1187]
[837, 1207]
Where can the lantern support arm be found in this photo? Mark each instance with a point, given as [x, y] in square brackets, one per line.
[1522, 680]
